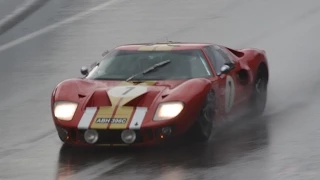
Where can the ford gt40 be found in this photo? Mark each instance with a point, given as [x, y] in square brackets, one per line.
[147, 94]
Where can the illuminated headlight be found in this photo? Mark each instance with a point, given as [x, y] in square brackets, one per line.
[168, 110]
[65, 110]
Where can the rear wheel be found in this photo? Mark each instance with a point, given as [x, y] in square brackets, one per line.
[259, 93]
[203, 127]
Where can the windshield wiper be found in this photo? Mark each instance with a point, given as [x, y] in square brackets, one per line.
[160, 64]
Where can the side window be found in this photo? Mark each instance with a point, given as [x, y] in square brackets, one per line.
[217, 59]
[210, 54]
[227, 58]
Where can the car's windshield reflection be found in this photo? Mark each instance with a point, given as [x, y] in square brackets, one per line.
[122, 64]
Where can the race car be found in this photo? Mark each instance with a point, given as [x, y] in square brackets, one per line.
[151, 93]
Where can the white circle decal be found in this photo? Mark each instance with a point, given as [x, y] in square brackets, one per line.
[229, 94]
[127, 91]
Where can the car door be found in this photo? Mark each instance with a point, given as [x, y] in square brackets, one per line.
[240, 89]
[227, 84]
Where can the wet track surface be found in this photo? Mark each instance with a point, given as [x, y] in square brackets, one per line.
[283, 144]
[7, 6]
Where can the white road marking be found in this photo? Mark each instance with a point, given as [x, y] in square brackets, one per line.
[137, 118]
[17, 149]
[97, 170]
[53, 26]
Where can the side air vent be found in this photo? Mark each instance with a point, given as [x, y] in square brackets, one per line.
[81, 96]
[237, 53]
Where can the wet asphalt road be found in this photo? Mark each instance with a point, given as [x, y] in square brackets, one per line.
[8, 6]
[283, 144]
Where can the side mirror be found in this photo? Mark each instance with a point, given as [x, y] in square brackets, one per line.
[225, 69]
[84, 71]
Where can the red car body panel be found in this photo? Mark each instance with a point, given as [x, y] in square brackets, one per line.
[103, 98]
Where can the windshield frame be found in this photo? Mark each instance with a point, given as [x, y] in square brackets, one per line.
[204, 61]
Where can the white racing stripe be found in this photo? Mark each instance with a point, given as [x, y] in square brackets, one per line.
[58, 24]
[87, 117]
[138, 118]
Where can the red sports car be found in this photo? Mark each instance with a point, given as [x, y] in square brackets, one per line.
[146, 94]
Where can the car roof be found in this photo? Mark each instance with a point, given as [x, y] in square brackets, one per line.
[172, 46]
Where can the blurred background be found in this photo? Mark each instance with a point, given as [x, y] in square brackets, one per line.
[43, 42]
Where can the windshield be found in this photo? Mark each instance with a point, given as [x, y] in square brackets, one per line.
[121, 64]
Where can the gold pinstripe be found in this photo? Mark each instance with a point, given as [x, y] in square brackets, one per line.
[103, 112]
[121, 111]
[146, 48]
[163, 47]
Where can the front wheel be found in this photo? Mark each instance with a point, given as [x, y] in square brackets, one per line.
[203, 127]
[259, 94]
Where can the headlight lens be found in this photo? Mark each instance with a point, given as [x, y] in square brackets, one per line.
[168, 110]
[65, 110]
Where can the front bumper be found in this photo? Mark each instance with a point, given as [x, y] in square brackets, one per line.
[112, 137]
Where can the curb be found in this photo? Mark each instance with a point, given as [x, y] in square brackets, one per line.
[20, 14]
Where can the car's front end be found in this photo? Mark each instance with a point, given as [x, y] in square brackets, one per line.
[146, 115]
[103, 132]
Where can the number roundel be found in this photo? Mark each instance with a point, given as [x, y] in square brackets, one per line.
[229, 94]
[127, 91]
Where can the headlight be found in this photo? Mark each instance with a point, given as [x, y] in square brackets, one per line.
[65, 110]
[168, 110]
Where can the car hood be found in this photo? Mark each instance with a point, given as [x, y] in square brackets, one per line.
[130, 94]
[95, 93]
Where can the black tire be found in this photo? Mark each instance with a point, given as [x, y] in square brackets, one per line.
[259, 94]
[203, 127]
